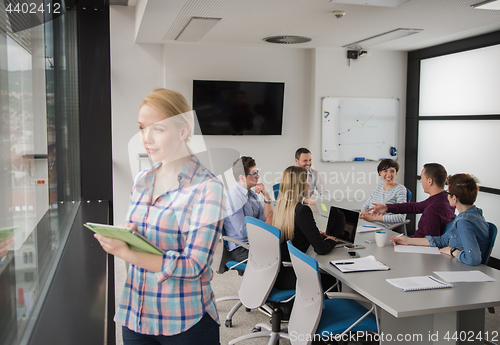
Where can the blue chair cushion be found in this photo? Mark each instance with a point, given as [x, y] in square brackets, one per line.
[240, 267]
[339, 314]
[276, 190]
[277, 295]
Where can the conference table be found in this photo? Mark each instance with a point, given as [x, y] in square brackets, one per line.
[440, 316]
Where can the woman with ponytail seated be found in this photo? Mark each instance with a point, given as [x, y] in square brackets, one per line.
[467, 238]
[296, 222]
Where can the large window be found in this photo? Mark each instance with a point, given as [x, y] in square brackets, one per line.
[453, 115]
[39, 162]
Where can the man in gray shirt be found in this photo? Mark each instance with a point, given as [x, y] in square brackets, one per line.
[317, 182]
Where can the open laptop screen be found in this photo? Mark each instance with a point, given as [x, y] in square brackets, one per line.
[342, 223]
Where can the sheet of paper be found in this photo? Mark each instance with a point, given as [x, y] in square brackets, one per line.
[368, 228]
[465, 276]
[416, 249]
[418, 283]
[367, 263]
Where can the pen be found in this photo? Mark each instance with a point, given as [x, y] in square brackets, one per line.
[368, 226]
[344, 263]
[399, 235]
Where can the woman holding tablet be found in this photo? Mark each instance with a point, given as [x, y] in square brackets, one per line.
[177, 204]
[467, 238]
[296, 222]
[387, 192]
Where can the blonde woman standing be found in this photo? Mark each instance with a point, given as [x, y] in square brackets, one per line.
[178, 205]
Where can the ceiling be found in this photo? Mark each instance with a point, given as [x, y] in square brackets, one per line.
[247, 22]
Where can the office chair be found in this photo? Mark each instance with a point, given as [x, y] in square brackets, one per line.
[493, 236]
[276, 190]
[312, 315]
[226, 263]
[408, 195]
[257, 286]
[401, 226]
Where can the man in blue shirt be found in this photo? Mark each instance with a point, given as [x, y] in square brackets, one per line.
[241, 201]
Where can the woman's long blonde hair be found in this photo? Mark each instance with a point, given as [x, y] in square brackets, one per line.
[292, 191]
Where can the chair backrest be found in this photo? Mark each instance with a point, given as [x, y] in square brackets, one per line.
[493, 236]
[264, 259]
[224, 260]
[308, 304]
[276, 190]
[408, 195]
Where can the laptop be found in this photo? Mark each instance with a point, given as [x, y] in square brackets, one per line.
[343, 224]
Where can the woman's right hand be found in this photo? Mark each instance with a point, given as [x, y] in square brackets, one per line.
[112, 246]
[399, 240]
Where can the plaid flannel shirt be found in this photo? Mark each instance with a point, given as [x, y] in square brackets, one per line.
[185, 222]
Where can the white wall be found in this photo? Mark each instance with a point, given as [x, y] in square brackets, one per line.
[185, 62]
[136, 69]
[381, 74]
[309, 74]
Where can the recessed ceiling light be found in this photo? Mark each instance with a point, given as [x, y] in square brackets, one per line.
[382, 38]
[196, 28]
[287, 39]
[382, 3]
[487, 5]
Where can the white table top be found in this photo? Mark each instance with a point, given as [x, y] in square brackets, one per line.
[373, 285]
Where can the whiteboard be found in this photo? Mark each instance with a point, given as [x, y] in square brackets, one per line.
[359, 128]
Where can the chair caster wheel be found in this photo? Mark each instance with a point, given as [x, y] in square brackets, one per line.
[256, 329]
[248, 310]
[229, 323]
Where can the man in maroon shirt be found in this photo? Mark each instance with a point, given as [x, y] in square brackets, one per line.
[436, 210]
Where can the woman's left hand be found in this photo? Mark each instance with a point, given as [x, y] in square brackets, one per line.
[369, 217]
[445, 250]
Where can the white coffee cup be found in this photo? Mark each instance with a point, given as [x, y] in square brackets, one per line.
[380, 238]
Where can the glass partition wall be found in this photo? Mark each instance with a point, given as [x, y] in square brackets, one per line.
[39, 161]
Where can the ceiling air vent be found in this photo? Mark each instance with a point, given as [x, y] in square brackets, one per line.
[287, 39]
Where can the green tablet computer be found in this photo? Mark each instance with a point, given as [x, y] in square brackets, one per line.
[135, 240]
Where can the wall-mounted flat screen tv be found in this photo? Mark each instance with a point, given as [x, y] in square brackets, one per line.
[238, 107]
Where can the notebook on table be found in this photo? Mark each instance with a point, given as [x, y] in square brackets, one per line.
[367, 263]
[418, 283]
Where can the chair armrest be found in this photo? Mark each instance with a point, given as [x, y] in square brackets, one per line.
[395, 225]
[348, 295]
[238, 242]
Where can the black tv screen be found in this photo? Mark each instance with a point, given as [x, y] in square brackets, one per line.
[238, 107]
